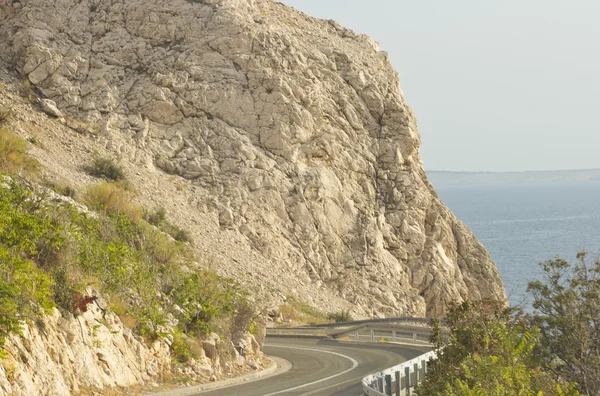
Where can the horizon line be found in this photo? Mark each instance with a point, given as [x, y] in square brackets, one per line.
[519, 171]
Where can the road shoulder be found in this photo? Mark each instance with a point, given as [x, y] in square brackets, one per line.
[279, 366]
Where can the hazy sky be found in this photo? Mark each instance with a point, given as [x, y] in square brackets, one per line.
[496, 85]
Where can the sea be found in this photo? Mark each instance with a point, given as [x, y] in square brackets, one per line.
[522, 225]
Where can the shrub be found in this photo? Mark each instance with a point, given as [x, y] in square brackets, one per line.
[5, 115]
[26, 91]
[177, 233]
[204, 297]
[112, 197]
[60, 188]
[63, 292]
[567, 312]
[488, 351]
[13, 157]
[158, 218]
[106, 168]
[341, 316]
[180, 348]
[25, 290]
[242, 321]
[300, 311]
[68, 191]
[152, 322]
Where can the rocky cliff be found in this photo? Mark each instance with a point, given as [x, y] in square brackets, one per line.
[95, 353]
[293, 157]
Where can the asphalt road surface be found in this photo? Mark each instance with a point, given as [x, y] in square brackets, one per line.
[321, 367]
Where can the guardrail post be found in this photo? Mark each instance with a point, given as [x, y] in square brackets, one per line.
[417, 376]
[414, 338]
[372, 335]
[356, 336]
[380, 383]
[424, 364]
[393, 335]
[388, 385]
[398, 383]
[407, 373]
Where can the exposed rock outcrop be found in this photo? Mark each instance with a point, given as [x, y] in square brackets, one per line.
[293, 130]
[58, 356]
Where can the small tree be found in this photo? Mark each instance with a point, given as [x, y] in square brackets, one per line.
[567, 311]
[488, 350]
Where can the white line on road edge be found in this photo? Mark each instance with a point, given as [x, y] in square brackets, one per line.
[354, 365]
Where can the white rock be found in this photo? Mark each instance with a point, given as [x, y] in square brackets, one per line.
[49, 107]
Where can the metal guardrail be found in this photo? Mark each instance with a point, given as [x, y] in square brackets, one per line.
[395, 337]
[371, 321]
[394, 381]
[398, 380]
[394, 331]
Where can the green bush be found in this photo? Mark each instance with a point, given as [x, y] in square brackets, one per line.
[179, 347]
[63, 291]
[25, 290]
[105, 167]
[204, 297]
[177, 233]
[158, 218]
[489, 351]
[566, 309]
[341, 316]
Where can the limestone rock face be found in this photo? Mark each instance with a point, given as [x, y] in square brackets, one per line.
[294, 131]
[58, 356]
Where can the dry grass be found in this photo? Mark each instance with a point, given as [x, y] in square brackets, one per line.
[26, 91]
[5, 116]
[60, 186]
[13, 156]
[195, 348]
[121, 309]
[295, 310]
[112, 197]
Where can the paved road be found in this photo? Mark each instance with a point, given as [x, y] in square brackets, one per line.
[321, 367]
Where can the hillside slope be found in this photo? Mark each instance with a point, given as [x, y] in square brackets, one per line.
[281, 141]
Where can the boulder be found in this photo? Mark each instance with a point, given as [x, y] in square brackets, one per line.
[49, 107]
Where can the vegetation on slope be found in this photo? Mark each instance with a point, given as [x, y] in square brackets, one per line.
[555, 350]
[294, 310]
[567, 312]
[50, 253]
[489, 351]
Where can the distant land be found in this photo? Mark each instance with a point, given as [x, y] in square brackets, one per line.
[447, 178]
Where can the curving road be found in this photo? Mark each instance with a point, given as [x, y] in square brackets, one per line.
[321, 367]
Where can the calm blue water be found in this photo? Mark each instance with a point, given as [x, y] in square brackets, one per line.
[522, 225]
